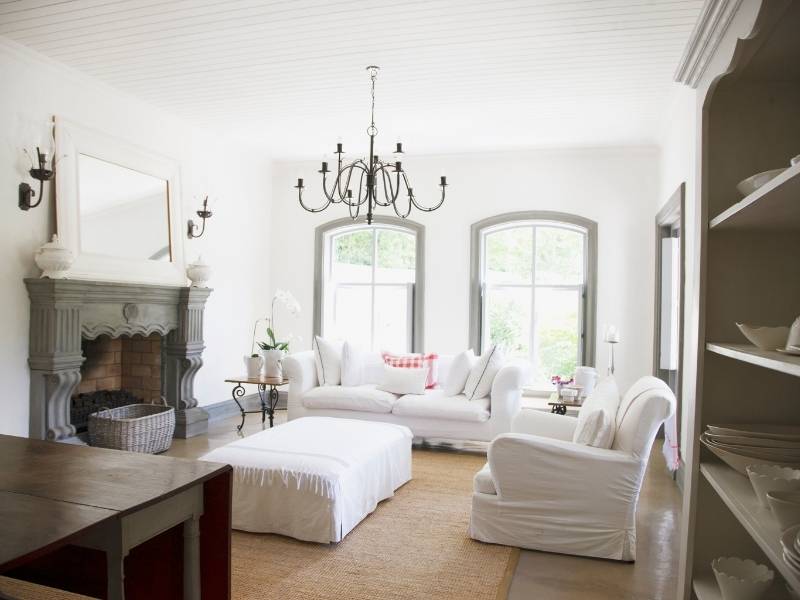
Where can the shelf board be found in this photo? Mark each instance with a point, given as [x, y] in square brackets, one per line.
[736, 492]
[769, 359]
[775, 205]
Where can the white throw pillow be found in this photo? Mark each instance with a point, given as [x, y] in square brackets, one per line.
[458, 373]
[402, 380]
[352, 365]
[481, 376]
[328, 357]
[596, 429]
[597, 417]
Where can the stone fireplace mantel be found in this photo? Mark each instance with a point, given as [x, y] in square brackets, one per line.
[64, 311]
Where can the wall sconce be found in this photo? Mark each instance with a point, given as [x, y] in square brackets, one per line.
[204, 214]
[40, 173]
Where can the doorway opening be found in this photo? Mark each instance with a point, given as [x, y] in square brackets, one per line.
[669, 297]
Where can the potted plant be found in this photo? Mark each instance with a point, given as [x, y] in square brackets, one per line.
[272, 350]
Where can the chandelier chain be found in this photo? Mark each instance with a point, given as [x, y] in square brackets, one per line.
[373, 75]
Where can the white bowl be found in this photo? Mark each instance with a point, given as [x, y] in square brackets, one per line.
[765, 338]
[772, 478]
[795, 160]
[740, 579]
[758, 430]
[752, 183]
[785, 505]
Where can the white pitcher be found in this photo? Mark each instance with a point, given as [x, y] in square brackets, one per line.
[585, 377]
[253, 364]
[272, 363]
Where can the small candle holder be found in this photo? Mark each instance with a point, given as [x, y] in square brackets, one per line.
[41, 172]
[204, 214]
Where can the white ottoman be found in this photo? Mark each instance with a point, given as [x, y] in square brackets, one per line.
[315, 478]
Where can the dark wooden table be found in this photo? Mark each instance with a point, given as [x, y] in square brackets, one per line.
[269, 400]
[55, 497]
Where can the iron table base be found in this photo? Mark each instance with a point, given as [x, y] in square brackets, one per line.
[268, 400]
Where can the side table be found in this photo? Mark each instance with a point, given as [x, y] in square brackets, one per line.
[559, 406]
[269, 399]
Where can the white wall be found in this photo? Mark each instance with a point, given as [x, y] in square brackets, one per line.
[678, 165]
[615, 187]
[235, 244]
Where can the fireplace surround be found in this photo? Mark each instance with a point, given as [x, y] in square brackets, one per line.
[65, 312]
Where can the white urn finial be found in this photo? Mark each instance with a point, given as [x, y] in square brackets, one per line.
[198, 273]
[54, 259]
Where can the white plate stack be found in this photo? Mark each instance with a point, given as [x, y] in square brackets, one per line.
[791, 548]
[746, 444]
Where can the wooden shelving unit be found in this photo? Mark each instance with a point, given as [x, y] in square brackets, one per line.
[749, 252]
[769, 359]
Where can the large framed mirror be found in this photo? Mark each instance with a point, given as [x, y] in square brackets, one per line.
[118, 208]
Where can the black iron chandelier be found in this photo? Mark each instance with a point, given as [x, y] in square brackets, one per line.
[369, 176]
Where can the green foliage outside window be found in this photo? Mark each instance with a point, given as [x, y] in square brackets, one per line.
[506, 328]
[354, 248]
[396, 250]
[557, 352]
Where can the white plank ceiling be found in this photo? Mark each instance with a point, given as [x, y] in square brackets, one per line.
[456, 75]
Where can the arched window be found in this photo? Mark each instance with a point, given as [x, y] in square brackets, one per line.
[533, 280]
[368, 284]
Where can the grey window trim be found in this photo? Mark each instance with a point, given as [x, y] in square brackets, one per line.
[590, 301]
[417, 335]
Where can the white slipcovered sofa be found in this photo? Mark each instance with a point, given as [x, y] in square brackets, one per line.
[542, 491]
[432, 415]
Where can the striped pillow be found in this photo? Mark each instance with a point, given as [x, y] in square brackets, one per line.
[416, 361]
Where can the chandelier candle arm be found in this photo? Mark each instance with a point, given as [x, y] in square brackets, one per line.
[374, 171]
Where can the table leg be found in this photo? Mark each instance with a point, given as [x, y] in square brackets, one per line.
[262, 393]
[191, 559]
[273, 402]
[237, 393]
[115, 569]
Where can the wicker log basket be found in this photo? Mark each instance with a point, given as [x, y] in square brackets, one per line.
[144, 428]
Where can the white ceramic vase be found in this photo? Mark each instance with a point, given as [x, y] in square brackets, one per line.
[253, 364]
[272, 363]
[54, 259]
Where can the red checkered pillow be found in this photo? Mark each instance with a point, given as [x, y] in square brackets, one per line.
[416, 361]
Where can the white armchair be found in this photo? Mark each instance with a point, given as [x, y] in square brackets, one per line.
[541, 491]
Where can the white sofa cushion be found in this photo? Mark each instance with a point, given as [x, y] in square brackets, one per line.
[328, 358]
[404, 380]
[482, 374]
[597, 417]
[459, 371]
[363, 398]
[433, 404]
[482, 482]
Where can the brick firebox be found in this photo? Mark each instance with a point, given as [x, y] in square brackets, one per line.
[130, 363]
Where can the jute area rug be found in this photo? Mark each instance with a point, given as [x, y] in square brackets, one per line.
[415, 545]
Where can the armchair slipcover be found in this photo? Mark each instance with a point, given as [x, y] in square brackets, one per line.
[541, 491]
